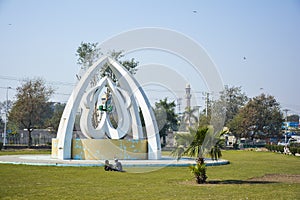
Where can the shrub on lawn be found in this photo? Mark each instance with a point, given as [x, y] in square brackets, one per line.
[280, 148]
[199, 171]
[294, 148]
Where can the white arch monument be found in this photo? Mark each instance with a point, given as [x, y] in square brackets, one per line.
[106, 141]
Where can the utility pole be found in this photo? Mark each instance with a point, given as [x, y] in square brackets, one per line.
[179, 104]
[188, 102]
[206, 98]
[5, 118]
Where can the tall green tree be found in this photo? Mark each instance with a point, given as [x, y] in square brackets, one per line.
[53, 122]
[88, 53]
[260, 116]
[232, 99]
[1, 125]
[32, 107]
[235, 125]
[130, 65]
[165, 117]
[222, 110]
[203, 119]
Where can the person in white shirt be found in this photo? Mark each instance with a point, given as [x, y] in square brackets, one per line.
[118, 166]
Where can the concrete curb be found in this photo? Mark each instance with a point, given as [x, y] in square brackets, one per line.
[46, 160]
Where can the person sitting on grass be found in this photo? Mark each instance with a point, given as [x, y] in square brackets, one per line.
[108, 167]
[118, 166]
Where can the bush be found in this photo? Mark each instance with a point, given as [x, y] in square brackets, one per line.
[274, 148]
[1, 145]
[295, 144]
[280, 148]
[199, 171]
[293, 150]
[235, 146]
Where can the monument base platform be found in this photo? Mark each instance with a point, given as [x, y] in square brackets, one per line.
[105, 149]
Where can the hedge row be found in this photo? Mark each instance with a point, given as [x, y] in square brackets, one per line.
[294, 148]
[275, 148]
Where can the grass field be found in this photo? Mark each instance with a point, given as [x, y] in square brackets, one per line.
[244, 178]
[24, 151]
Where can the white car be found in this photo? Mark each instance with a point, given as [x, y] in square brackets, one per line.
[293, 139]
[283, 143]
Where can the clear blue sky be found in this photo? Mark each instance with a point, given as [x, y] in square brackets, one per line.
[40, 38]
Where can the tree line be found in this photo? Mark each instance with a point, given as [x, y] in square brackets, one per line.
[259, 116]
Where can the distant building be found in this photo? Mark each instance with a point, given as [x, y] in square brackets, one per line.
[188, 95]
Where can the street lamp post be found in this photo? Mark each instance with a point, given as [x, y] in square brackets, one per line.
[5, 118]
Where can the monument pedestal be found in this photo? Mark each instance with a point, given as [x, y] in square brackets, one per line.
[105, 149]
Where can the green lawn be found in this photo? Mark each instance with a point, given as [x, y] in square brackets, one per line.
[24, 151]
[232, 181]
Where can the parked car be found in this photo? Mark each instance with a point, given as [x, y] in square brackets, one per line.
[293, 139]
[283, 143]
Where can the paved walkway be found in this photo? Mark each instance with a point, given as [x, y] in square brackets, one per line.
[46, 160]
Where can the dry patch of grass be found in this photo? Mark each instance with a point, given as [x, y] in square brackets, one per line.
[281, 178]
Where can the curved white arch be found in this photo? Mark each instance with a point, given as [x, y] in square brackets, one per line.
[136, 97]
[89, 99]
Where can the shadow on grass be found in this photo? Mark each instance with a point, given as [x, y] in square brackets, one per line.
[266, 179]
[230, 182]
[239, 182]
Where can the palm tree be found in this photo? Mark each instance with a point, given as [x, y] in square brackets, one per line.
[189, 115]
[200, 141]
[191, 144]
[182, 141]
[215, 152]
[196, 149]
